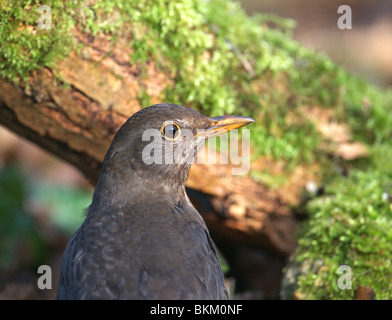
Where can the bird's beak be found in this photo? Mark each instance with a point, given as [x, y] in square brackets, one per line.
[224, 124]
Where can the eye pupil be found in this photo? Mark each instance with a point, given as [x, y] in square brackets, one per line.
[171, 131]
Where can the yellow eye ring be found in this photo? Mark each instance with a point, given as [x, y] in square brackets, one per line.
[170, 131]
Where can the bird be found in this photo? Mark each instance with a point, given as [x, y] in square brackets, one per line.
[142, 238]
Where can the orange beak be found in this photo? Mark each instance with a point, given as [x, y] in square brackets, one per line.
[224, 124]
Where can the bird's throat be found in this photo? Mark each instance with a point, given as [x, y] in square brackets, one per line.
[115, 190]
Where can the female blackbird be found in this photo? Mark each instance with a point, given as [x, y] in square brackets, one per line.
[142, 238]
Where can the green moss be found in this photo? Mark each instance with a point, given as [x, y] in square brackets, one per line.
[351, 225]
[273, 181]
[24, 46]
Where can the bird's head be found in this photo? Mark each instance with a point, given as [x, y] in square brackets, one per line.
[161, 141]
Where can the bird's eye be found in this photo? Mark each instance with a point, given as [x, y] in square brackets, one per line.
[170, 131]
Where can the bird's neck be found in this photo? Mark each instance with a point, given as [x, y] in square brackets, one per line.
[126, 187]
